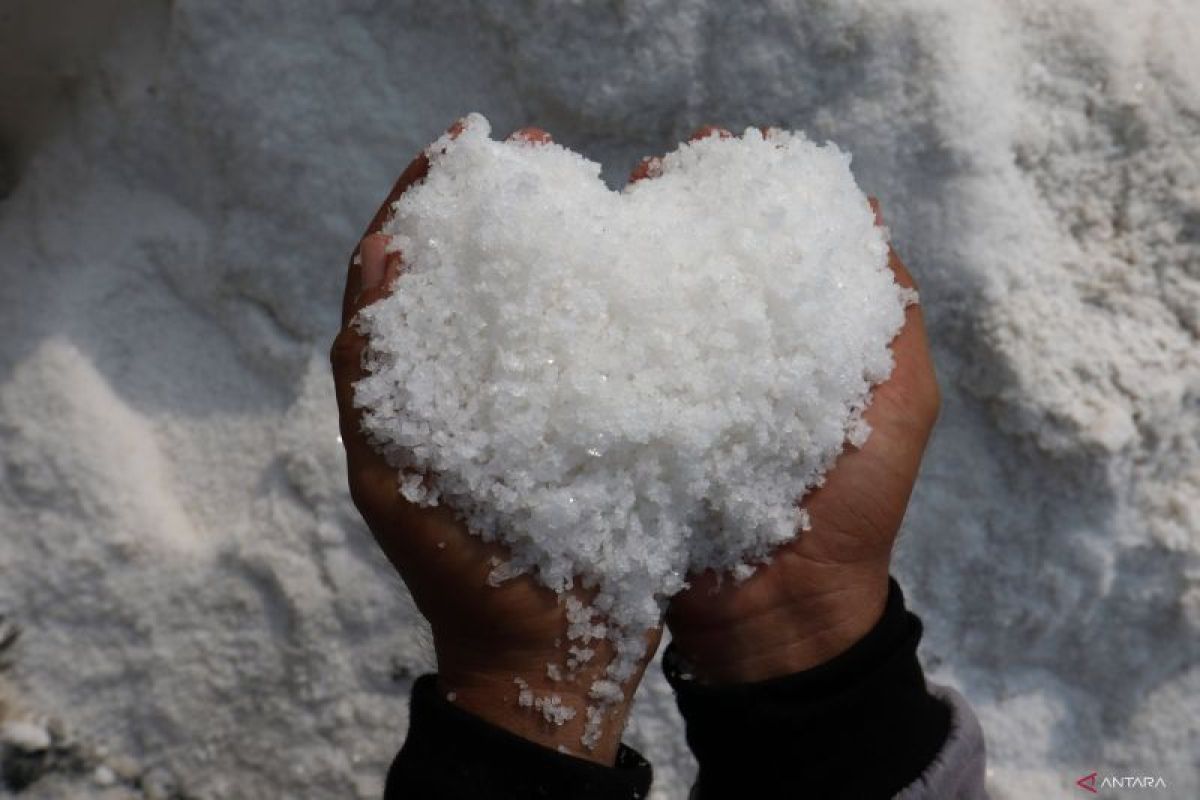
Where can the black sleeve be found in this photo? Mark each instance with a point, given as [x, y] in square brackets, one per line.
[451, 754]
[863, 725]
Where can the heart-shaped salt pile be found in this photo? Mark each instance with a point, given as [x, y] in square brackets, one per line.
[625, 386]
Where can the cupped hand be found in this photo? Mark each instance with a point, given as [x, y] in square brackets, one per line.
[485, 637]
[826, 589]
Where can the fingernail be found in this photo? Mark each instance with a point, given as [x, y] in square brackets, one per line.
[374, 259]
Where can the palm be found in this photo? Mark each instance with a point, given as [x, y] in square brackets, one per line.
[443, 565]
[842, 561]
[485, 635]
[855, 515]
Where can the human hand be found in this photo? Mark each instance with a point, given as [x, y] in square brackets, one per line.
[826, 589]
[485, 636]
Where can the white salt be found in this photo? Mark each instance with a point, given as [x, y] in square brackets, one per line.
[554, 710]
[627, 386]
[525, 694]
[743, 572]
[579, 655]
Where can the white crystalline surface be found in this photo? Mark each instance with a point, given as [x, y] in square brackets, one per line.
[173, 237]
[623, 386]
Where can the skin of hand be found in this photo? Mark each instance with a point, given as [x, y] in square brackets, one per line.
[825, 590]
[484, 636]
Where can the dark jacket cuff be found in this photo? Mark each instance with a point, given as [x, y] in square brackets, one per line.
[862, 725]
[451, 754]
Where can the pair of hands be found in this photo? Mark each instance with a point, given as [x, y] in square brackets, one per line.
[819, 594]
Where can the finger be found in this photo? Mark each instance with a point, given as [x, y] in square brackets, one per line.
[876, 209]
[380, 268]
[651, 166]
[530, 135]
[377, 269]
[353, 285]
[346, 358]
[366, 268]
[903, 276]
[905, 406]
[648, 167]
[914, 320]
[387, 271]
[373, 260]
[706, 131]
[913, 377]
[413, 173]
[372, 481]
[417, 170]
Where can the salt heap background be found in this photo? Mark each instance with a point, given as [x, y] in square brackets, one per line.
[182, 181]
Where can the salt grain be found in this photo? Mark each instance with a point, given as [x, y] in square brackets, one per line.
[525, 695]
[554, 710]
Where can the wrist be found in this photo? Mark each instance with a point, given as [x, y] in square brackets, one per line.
[533, 695]
[797, 633]
[869, 704]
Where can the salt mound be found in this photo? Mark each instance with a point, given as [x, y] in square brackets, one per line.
[625, 386]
